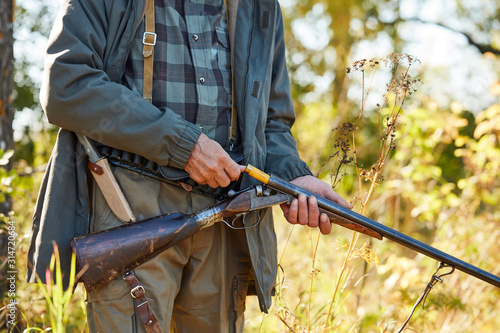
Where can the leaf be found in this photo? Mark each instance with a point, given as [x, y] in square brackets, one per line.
[5, 156]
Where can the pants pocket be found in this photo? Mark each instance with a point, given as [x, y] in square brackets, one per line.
[102, 218]
[110, 308]
[239, 294]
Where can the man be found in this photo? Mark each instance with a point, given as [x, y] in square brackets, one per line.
[220, 89]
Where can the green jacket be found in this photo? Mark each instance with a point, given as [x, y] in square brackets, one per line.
[87, 50]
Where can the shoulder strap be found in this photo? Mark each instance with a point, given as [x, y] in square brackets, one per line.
[148, 317]
[149, 41]
[234, 112]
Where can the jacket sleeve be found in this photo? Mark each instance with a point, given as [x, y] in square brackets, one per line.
[79, 96]
[282, 155]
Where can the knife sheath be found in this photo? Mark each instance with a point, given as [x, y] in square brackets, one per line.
[111, 190]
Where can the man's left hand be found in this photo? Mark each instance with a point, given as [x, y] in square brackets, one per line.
[305, 211]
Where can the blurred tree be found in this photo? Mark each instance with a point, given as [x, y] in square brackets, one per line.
[324, 36]
[6, 109]
[31, 29]
[6, 82]
[6, 117]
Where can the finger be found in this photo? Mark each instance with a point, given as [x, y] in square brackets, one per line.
[198, 177]
[213, 183]
[303, 213]
[313, 212]
[335, 197]
[292, 212]
[201, 181]
[222, 179]
[234, 170]
[324, 224]
[285, 208]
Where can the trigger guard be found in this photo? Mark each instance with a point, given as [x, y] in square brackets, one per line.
[243, 216]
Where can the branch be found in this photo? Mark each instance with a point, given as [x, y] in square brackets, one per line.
[483, 48]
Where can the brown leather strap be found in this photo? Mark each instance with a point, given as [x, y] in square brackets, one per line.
[95, 168]
[149, 41]
[147, 315]
[234, 112]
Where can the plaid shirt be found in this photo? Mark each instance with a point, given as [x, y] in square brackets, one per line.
[192, 69]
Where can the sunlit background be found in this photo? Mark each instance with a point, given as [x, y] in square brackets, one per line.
[440, 185]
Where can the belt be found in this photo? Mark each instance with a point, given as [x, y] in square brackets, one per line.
[166, 174]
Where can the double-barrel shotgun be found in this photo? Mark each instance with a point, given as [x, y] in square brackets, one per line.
[109, 254]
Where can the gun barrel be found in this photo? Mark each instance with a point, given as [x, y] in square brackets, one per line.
[394, 235]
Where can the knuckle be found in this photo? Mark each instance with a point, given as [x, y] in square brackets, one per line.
[211, 166]
[204, 175]
[223, 159]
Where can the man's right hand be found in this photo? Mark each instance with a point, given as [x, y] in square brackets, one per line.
[210, 164]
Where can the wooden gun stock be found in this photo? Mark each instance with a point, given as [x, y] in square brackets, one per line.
[346, 223]
[111, 253]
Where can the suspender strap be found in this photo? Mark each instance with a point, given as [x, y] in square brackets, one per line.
[147, 315]
[149, 41]
[234, 112]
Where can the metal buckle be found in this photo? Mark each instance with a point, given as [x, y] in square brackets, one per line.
[146, 33]
[132, 292]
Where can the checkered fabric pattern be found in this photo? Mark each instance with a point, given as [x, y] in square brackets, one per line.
[192, 68]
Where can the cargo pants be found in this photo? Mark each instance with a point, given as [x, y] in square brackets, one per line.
[199, 285]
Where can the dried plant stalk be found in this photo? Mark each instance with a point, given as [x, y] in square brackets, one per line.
[400, 87]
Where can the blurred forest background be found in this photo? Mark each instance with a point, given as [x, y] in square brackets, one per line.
[440, 182]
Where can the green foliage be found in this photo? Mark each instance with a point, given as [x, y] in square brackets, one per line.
[11, 183]
[441, 184]
[40, 307]
[57, 299]
[24, 88]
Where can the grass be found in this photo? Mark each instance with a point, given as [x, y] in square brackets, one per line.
[326, 284]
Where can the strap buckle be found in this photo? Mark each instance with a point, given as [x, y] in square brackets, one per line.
[137, 288]
[146, 38]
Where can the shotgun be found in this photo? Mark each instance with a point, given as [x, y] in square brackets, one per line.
[106, 255]
[283, 186]
[109, 254]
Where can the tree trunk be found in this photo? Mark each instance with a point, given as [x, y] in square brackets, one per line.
[6, 71]
[7, 286]
[6, 82]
